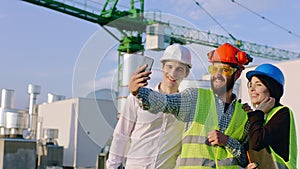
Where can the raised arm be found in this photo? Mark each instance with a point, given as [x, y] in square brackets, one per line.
[178, 104]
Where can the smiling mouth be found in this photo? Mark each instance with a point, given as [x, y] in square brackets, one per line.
[254, 95]
[172, 80]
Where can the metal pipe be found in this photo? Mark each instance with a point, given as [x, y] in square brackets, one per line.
[7, 99]
[33, 91]
[7, 103]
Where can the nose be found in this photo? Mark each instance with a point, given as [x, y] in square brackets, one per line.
[218, 74]
[252, 88]
[218, 71]
[172, 73]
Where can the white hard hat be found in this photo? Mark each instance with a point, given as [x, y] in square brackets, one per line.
[179, 53]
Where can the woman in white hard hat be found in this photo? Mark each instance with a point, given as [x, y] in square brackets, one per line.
[272, 135]
[153, 140]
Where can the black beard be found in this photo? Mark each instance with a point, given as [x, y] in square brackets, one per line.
[224, 89]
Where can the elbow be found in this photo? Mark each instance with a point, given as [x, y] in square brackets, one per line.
[257, 139]
[255, 145]
[256, 148]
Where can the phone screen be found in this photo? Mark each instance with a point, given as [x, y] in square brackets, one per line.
[149, 61]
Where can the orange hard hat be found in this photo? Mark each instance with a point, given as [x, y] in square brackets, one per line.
[230, 54]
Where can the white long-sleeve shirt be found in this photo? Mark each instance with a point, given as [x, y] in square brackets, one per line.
[145, 140]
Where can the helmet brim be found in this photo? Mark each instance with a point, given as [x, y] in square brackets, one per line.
[175, 60]
[252, 73]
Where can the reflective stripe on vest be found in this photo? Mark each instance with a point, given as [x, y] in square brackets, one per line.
[279, 161]
[197, 152]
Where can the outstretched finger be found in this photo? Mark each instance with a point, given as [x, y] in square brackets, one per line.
[143, 84]
[141, 69]
[143, 79]
[139, 75]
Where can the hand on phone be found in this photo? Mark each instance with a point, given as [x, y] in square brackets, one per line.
[138, 79]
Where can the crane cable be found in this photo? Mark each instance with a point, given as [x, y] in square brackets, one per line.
[197, 3]
[262, 17]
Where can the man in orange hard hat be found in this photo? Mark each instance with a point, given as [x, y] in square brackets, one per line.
[216, 125]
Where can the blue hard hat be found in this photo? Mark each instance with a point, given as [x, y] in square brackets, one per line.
[267, 70]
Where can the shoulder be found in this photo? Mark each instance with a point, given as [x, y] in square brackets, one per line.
[282, 109]
[192, 90]
[189, 92]
[132, 101]
[283, 114]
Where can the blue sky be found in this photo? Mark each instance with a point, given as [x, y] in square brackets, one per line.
[43, 47]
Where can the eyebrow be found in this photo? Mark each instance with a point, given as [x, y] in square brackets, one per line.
[181, 66]
[256, 81]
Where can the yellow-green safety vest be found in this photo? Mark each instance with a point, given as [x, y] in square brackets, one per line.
[197, 153]
[279, 161]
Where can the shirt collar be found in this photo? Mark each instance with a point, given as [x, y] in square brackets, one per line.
[157, 87]
[234, 98]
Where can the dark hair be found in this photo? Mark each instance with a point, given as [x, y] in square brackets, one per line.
[275, 89]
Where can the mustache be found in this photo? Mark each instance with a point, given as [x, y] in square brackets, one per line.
[217, 78]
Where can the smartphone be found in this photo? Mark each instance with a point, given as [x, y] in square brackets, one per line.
[149, 61]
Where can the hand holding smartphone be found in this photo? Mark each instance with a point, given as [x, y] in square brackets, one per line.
[136, 79]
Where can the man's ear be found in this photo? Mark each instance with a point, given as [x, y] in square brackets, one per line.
[187, 73]
[162, 66]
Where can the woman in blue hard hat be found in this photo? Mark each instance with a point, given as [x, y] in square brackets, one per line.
[272, 135]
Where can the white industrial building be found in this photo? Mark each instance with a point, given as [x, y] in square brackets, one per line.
[85, 125]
